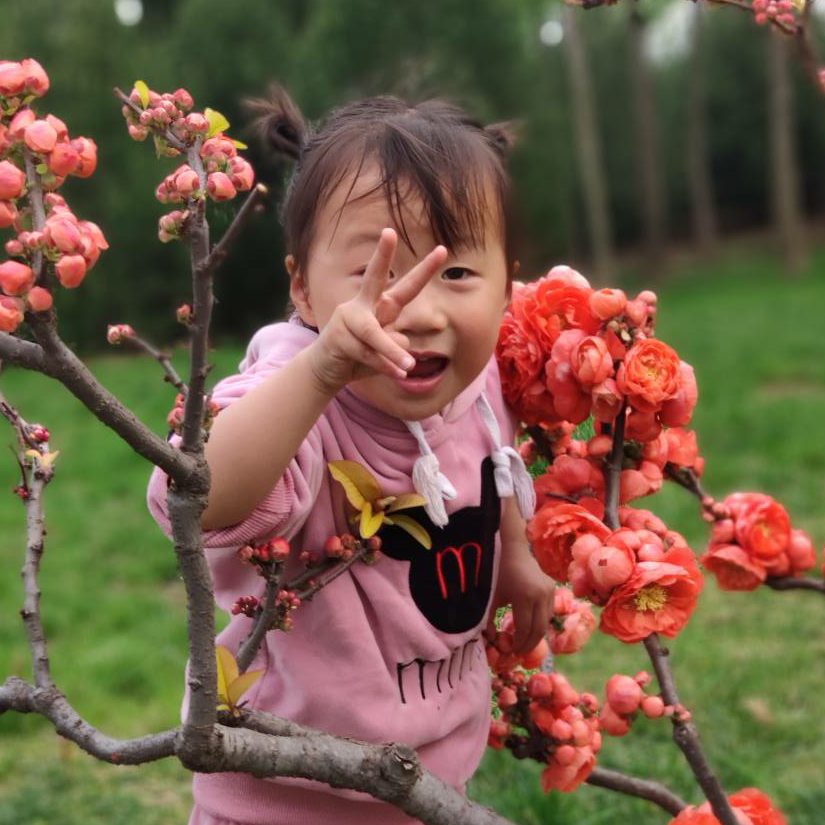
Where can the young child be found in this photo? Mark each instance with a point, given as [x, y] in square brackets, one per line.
[399, 239]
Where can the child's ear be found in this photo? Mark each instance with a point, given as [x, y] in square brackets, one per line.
[298, 292]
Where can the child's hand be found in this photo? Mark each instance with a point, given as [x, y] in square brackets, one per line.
[522, 584]
[356, 341]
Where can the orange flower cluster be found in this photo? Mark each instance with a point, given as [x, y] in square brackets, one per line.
[567, 351]
[643, 574]
[752, 539]
[73, 246]
[752, 807]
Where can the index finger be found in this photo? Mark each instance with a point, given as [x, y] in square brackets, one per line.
[408, 286]
[378, 268]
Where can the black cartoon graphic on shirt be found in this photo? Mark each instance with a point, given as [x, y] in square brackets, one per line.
[451, 583]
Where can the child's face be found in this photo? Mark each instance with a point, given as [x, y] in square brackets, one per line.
[453, 321]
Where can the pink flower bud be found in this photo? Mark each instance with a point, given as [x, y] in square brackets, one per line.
[96, 233]
[160, 116]
[183, 314]
[653, 707]
[31, 240]
[607, 303]
[540, 686]
[220, 187]
[624, 694]
[590, 361]
[39, 299]
[334, 547]
[36, 79]
[186, 180]
[648, 296]
[609, 567]
[599, 446]
[561, 730]
[607, 400]
[12, 181]
[20, 122]
[115, 333]
[86, 149]
[636, 312]
[563, 692]
[801, 551]
[12, 78]
[567, 276]
[15, 278]
[63, 159]
[59, 127]
[40, 136]
[278, 549]
[241, 173]
[184, 99]
[11, 314]
[507, 697]
[63, 233]
[14, 248]
[565, 755]
[197, 123]
[71, 270]
[138, 133]
[610, 722]
[8, 214]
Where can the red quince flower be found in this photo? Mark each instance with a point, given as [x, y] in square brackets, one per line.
[733, 567]
[554, 529]
[650, 375]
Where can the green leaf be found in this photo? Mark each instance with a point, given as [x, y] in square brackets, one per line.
[217, 122]
[143, 90]
[239, 144]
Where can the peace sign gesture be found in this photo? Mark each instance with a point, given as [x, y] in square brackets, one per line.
[356, 341]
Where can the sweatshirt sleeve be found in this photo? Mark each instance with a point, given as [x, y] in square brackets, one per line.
[285, 508]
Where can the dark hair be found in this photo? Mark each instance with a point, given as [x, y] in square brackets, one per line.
[434, 147]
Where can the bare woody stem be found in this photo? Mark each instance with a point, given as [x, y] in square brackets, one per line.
[685, 477]
[264, 621]
[162, 358]
[793, 583]
[647, 789]
[613, 474]
[686, 736]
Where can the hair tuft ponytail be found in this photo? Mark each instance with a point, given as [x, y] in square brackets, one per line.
[279, 122]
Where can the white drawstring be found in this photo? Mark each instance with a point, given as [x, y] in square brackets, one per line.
[511, 475]
[428, 479]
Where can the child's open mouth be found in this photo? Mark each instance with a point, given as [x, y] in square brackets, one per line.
[427, 372]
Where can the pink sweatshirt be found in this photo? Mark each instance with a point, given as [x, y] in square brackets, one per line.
[387, 653]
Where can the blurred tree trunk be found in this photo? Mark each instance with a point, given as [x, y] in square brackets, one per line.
[649, 171]
[589, 153]
[787, 211]
[700, 182]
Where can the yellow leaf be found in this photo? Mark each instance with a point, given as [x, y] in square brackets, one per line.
[217, 122]
[357, 481]
[227, 672]
[405, 501]
[414, 529]
[142, 90]
[370, 522]
[242, 684]
[239, 145]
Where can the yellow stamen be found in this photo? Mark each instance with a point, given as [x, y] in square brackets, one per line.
[652, 597]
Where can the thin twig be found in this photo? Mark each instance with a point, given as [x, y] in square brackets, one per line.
[263, 622]
[162, 358]
[634, 786]
[613, 474]
[686, 736]
[216, 257]
[794, 583]
[685, 477]
[324, 580]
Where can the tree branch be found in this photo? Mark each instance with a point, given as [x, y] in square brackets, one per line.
[633, 786]
[21, 353]
[686, 736]
[685, 477]
[162, 358]
[216, 257]
[264, 621]
[613, 474]
[15, 694]
[794, 583]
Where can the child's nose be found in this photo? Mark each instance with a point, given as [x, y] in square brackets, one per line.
[425, 314]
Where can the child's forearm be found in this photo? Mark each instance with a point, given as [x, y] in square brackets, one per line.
[253, 440]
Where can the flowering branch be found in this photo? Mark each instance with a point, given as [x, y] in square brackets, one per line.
[166, 134]
[634, 786]
[686, 736]
[264, 621]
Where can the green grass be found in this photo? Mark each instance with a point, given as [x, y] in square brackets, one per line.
[749, 665]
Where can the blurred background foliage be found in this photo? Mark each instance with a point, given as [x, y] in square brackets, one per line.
[488, 56]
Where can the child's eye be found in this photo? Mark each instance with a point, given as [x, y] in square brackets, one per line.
[456, 273]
